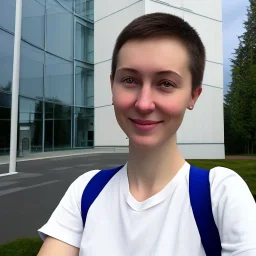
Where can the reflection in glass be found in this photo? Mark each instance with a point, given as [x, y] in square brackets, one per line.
[47, 90]
[30, 110]
[59, 80]
[59, 30]
[84, 43]
[62, 134]
[62, 112]
[6, 60]
[84, 127]
[36, 136]
[5, 136]
[48, 135]
[85, 8]
[5, 99]
[7, 14]
[49, 110]
[68, 3]
[5, 113]
[30, 125]
[31, 71]
[33, 22]
[5, 122]
[84, 87]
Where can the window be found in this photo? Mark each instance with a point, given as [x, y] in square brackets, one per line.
[30, 110]
[6, 60]
[33, 22]
[85, 8]
[59, 80]
[84, 87]
[84, 127]
[59, 30]
[31, 71]
[84, 43]
[68, 3]
[7, 14]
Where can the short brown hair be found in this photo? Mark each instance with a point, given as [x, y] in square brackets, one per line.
[162, 24]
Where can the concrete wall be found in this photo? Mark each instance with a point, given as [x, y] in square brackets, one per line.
[202, 132]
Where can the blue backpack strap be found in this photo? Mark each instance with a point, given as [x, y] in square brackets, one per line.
[93, 189]
[200, 199]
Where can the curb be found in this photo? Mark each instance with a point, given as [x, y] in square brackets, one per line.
[59, 156]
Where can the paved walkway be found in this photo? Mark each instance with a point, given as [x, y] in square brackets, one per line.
[28, 199]
[55, 154]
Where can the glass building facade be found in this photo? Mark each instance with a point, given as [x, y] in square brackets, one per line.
[56, 93]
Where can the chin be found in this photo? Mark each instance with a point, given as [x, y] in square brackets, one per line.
[145, 142]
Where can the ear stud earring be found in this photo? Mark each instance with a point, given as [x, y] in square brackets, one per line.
[191, 107]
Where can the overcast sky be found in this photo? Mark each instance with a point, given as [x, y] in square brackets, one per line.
[233, 15]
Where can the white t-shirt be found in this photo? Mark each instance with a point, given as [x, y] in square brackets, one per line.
[163, 225]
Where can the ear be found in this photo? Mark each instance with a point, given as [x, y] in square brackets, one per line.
[195, 95]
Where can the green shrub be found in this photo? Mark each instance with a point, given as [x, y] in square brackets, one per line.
[21, 247]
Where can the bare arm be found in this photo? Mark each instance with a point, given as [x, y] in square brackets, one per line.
[53, 247]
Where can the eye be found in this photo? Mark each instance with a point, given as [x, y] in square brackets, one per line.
[168, 84]
[129, 80]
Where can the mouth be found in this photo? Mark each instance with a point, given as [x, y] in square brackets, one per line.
[145, 122]
[145, 125]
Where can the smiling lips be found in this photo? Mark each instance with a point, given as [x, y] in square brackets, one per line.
[145, 125]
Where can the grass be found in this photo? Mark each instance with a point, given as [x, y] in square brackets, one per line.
[245, 168]
[21, 247]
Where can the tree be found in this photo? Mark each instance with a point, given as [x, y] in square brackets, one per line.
[241, 98]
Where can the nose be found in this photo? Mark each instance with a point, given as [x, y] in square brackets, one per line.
[144, 103]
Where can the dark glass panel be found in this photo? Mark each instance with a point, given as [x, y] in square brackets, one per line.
[5, 136]
[84, 43]
[84, 87]
[48, 136]
[36, 136]
[5, 99]
[49, 110]
[62, 112]
[33, 21]
[84, 127]
[85, 9]
[59, 32]
[31, 71]
[62, 134]
[59, 80]
[7, 14]
[6, 60]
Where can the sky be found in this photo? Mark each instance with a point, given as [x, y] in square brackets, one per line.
[233, 16]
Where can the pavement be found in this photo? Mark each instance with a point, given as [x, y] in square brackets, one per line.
[28, 198]
[5, 159]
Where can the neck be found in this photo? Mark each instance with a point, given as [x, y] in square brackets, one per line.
[150, 170]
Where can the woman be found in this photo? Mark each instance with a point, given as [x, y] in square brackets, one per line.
[145, 207]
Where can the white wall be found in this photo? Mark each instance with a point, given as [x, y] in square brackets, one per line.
[202, 133]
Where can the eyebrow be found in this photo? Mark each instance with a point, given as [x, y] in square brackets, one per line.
[163, 72]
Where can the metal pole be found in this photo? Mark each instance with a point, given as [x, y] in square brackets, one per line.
[15, 87]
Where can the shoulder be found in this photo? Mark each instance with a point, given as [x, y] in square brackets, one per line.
[234, 211]
[229, 191]
[77, 187]
[222, 178]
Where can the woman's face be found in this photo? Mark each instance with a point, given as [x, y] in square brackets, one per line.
[152, 89]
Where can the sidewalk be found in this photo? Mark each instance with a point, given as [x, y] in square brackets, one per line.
[55, 154]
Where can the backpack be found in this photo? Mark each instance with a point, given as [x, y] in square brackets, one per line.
[200, 199]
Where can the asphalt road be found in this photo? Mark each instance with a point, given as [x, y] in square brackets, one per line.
[27, 199]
